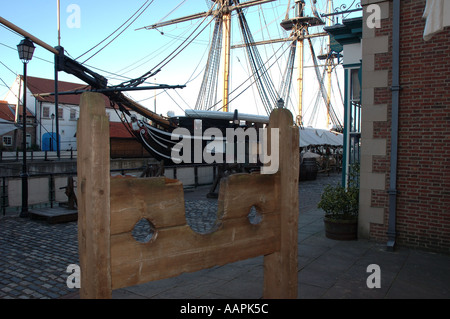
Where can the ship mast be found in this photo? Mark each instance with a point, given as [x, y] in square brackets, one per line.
[330, 63]
[300, 11]
[226, 27]
[299, 29]
[223, 13]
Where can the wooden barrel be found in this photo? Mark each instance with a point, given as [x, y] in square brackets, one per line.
[302, 172]
[309, 168]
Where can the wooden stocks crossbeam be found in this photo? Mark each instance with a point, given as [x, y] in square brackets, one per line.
[111, 258]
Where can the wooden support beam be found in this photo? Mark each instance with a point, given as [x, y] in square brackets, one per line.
[291, 39]
[24, 33]
[176, 248]
[109, 209]
[205, 14]
[280, 268]
[93, 172]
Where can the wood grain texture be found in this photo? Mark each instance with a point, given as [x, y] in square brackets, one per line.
[177, 248]
[109, 209]
[154, 198]
[280, 268]
[93, 174]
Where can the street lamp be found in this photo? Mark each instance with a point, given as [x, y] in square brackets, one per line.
[26, 50]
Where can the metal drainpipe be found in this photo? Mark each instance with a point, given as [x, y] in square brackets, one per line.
[394, 125]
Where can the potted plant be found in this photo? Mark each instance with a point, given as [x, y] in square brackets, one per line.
[341, 208]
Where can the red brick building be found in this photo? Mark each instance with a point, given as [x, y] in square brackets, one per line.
[405, 161]
[11, 131]
[123, 144]
[41, 119]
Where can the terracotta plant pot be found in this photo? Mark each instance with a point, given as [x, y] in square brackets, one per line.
[341, 229]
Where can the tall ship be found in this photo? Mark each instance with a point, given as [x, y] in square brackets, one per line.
[212, 108]
[161, 134]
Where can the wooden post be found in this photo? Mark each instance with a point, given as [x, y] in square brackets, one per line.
[93, 169]
[280, 268]
[110, 258]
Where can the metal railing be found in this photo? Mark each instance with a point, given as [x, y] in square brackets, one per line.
[47, 189]
[17, 156]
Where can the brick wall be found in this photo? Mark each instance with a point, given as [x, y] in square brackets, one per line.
[423, 181]
[127, 148]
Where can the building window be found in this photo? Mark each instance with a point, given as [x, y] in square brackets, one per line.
[60, 113]
[46, 112]
[28, 138]
[353, 110]
[73, 114]
[355, 116]
[7, 140]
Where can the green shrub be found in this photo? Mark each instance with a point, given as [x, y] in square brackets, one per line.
[339, 202]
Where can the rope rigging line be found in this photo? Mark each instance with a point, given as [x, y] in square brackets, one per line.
[173, 10]
[118, 99]
[254, 94]
[139, 63]
[160, 50]
[281, 33]
[143, 10]
[286, 82]
[137, 81]
[320, 78]
[339, 86]
[265, 86]
[165, 91]
[254, 80]
[315, 111]
[285, 75]
[208, 90]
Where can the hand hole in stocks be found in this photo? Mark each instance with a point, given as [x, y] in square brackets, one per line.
[144, 231]
[254, 216]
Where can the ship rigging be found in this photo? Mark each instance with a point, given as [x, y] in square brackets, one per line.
[154, 131]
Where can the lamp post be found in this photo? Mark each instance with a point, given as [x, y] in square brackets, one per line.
[26, 50]
[51, 138]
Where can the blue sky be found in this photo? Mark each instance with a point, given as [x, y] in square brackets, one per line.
[134, 52]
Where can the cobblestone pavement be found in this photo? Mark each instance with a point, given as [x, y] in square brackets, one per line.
[34, 257]
[35, 254]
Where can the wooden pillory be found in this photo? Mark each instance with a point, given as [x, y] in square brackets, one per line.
[109, 208]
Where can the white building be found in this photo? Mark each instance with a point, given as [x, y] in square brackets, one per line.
[43, 108]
